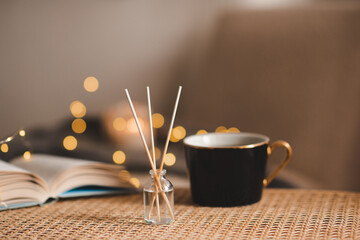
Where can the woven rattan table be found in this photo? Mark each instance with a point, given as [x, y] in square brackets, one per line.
[281, 214]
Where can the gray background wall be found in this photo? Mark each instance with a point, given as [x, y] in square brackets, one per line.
[47, 49]
[289, 71]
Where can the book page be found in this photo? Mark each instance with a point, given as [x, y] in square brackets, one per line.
[7, 167]
[19, 187]
[48, 167]
[63, 174]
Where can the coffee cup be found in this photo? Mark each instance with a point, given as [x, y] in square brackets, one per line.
[228, 169]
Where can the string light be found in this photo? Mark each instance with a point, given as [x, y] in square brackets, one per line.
[119, 124]
[27, 156]
[9, 139]
[233, 130]
[220, 129]
[70, 143]
[22, 133]
[173, 138]
[181, 132]
[4, 148]
[202, 131]
[135, 182]
[119, 157]
[91, 84]
[170, 159]
[158, 120]
[177, 134]
[131, 124]
[78, 125]
[77, 109]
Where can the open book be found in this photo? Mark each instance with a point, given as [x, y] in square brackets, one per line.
[46, 177]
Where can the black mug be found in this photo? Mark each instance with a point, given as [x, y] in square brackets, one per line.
[228, 169]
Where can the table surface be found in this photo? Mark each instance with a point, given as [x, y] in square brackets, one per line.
[282, 213]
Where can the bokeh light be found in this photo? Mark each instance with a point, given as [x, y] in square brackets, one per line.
[157, 120]
[77, 109]
[202, 131]
[177, 134]
[4, 148]
[131, 124]
[27, 155]
[233, 130]
[181, 132]
[124, 175]
[78, 125]
[91, 84]
[70, 143]
[119, 157]
[220, 129]
[170, 159]
[119, 124]
[173, 138]
[135, 182]
[22, 133]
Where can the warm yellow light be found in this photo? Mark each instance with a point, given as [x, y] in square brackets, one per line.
[91, 84]
[220, 129]
[177, 134]
[181, 132]
[233, 130]
[27, 155]
[119, 124]
[77, 109]
[70, 143]
[124, 175]
[202, 131]
[78, 125]
[119, 157]
[135, 182]
[158, 120]
[9, 139]
[131, 125]
[170, 159]
[4, 148]
[174, 133]
[22, 133]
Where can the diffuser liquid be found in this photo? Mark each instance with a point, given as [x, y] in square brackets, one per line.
[156, 208]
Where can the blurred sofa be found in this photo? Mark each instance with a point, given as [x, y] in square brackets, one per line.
[292, 73]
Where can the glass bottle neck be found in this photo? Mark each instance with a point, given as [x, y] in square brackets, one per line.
[158, 173]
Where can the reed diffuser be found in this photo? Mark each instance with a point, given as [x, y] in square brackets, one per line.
[158, 191]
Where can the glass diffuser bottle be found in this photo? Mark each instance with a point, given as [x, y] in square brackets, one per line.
[158, 203]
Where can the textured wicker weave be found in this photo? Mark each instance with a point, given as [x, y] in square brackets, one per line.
[281, 214]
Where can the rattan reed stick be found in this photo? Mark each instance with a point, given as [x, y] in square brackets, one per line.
[155, 195]
[170, 129]
[156, 177]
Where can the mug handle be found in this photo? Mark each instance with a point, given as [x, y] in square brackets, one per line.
[270, 149]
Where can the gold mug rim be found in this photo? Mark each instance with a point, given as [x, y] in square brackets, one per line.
[265, 141]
